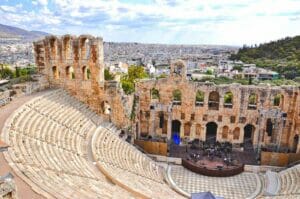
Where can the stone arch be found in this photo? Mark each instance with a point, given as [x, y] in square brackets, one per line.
[106, 107]
[154, 93]
[187, 129]
[55, 72]
[67, 47]
[213, 100]
[176, 97]
[225, 132]
[228, 99]
[295, 143]
[198, 129]
[86, 73]
[211, 131]
[236, 133]
[85, 44]
[176, 125]
[199, 101]
[70, 74]
[278, 100]
[252, 101]
[53, 46]
[249, 130]
[178, 68]
[269, 127]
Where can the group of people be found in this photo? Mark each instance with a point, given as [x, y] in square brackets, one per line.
[212, 151]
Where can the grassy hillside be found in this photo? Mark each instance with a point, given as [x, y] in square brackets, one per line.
[282, 56]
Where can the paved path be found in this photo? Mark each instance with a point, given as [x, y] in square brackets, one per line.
[24, 191]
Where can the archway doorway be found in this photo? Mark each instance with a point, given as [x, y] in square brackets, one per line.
[176, 131]
[211, 132]
[295, 143]
[248, 136]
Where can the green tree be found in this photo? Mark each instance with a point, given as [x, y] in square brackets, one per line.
[108, 75]
[6, 72]
[200, 96]
[134, 74]
[177, 95]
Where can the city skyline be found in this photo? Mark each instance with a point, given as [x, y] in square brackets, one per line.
[157, 21]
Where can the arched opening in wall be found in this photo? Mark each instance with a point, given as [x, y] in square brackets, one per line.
[278, 100]
[295, 143]
[249, 132]
[269, 127]
[178, 68]
[86, 73]
[198, 130]
[187, 129]
[225, 132]
[211, 132]
[199, 98]
[252, 101]
[154, 94]
[53, 48]
[213, 100]
[106, 107]
[176, 131]
[176, 97]
[70, 74]
[84, 48]
[55, 72]
[67, 47]
[228, 100]
[236, 133]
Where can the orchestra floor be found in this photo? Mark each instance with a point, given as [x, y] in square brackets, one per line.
[245, 157]
[235, 187]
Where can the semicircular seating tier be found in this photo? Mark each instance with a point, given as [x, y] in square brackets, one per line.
[126, 165]
[48, 138]
[290, 181]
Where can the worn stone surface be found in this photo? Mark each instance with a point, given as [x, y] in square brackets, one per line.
[231, 119]
[76, 64]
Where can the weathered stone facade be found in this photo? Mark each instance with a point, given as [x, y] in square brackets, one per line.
[266, 115]
[263, 114]
[76, 64]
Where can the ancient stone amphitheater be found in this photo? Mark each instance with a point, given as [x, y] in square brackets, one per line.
[50, 139]
[65, 141]
[62, 149]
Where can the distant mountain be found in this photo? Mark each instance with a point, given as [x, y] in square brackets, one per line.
[10, 32]
[282, 56]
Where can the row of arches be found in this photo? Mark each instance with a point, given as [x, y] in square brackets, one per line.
[70, 73]
[211, 131]
[214, 99]
[67, 46]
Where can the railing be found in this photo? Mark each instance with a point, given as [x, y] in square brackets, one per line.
[199, 104]
[176, 102]
[228, 105]
[252, 106]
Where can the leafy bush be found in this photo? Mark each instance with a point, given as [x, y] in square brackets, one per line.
[134, 73]
[108, 75]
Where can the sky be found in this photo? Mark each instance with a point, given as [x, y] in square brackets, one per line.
[220, 22]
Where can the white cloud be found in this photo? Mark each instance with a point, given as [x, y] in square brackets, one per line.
[172, 21]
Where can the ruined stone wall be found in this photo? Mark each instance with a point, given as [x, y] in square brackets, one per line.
[155, 116]
[76, 64]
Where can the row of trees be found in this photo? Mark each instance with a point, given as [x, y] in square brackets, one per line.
[7, 73]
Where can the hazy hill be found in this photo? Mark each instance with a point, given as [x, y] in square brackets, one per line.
[18, 33]
[282, 55]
